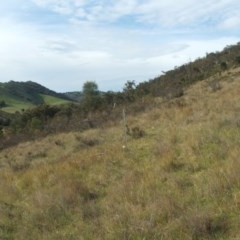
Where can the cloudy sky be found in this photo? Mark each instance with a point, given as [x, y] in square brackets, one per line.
[63, 43]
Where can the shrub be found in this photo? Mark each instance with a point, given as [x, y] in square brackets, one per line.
[36, 124]
[237, 59]
[135, 132]
[2, 104]
[223, 66]
[215, 85]
[203, 225]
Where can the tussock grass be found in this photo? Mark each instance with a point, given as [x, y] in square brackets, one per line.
[180, 180]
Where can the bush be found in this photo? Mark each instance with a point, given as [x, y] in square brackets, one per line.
[2, 104]
[36, 124]
[203, 225]
[135, 132]
[215, 85]
[237, 59]
[224, 66]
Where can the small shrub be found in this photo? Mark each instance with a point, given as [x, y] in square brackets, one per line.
[85, 141]
[178, 93]
[215, 85]
[2, 104]
[59, 143]
[18, 165]
[31, 156]
[224, 66]
[237, 59]
[173, 165]
[90, 142]
[36, 124]
[203, 225]
[135, 132]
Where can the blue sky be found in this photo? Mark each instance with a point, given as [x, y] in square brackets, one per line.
[63, 43]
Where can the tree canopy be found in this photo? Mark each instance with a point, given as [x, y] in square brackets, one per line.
[91, 95]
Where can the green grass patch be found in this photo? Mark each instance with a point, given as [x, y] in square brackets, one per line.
[53, 100]
[14, 105]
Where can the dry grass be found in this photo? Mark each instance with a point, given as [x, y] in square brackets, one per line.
[180, 180]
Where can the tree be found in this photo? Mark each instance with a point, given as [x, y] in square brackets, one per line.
[224, 66]
[129, 91]
[2, 104]
[91, 95]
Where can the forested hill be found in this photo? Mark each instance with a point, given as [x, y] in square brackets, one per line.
[20, 95]
[172, 83]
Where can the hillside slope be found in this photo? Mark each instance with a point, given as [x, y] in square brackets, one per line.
[179, 180]
[23, 95]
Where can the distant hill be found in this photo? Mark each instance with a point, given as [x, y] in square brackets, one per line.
[75, 96]
[16, 96]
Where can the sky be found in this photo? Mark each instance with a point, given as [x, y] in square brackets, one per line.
[63, 43]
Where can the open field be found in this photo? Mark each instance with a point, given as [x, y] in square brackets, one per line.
[51, 100]
[15, 106]
[179, 180]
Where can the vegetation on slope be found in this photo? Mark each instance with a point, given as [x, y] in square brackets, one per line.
[17, 96]
[178, 180]
[96, 109]
[173, 83]
[75, 96]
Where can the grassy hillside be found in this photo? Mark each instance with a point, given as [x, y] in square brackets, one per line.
[14, 104]
[51, 100]
[24, 95]
[179, 180]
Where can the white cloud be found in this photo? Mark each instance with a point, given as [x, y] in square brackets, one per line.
[171, 13]
[185, 12]
[231, 23]
[166, 13]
